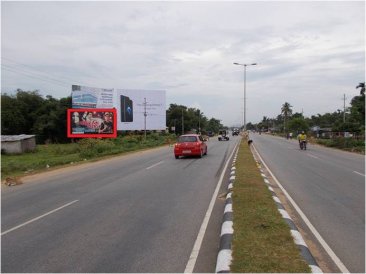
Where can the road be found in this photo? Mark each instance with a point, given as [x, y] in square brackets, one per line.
[136, 213]
[329, 187]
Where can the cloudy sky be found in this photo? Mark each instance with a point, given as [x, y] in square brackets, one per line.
[309, 53]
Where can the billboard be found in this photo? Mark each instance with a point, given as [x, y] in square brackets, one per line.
[88, 97]
[91, 122]
[134, 105]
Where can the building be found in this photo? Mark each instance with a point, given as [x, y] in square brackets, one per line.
[17, 144]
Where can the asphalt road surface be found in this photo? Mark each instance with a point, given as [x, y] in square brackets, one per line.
[329, 187]
[136, 213]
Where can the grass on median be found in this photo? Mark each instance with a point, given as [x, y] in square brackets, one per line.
[262, 241]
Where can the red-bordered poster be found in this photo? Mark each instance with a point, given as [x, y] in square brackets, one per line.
[92, 123]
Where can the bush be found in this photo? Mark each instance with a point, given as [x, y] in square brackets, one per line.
[344, 143]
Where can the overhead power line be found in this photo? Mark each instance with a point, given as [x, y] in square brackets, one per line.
[33, 76]
[31, 71]
[30, 75]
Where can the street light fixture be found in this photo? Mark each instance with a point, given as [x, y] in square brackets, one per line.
[245, 98]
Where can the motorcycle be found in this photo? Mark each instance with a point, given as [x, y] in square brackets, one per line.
[303, 145]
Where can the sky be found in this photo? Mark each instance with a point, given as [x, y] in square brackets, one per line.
[308, 53]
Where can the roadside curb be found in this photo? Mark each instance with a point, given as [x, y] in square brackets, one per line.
[224, 256]
[298, 239]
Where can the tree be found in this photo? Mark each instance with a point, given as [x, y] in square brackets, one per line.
[12, 119]
[174, 117]
[250, 126]
[51, 124]
[29, 103]
[264, 124]
[214, 125]
[286, 111]
[298, 124]
[27, 112]
[358, 111]
[362, 86]
[193, 119]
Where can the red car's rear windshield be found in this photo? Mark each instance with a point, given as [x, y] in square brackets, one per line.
[185, 139]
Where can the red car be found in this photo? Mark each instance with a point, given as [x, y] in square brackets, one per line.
[190, 145]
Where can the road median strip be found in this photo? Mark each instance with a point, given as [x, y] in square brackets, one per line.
[263, 237]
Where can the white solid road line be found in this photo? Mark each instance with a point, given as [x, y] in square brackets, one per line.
[359, 173]
[35, 219]
[197, 245]
[327, 248]
[313, 156]
[155, 165]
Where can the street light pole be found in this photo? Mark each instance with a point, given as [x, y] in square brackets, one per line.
[145, 114]
[245, 93]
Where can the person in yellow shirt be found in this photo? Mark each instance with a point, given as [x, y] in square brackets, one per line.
[302, 138]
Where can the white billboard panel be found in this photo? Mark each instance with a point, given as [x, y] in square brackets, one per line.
[88, 97]
[131, 109]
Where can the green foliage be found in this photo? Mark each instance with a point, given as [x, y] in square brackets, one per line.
[90, 148]
[358, 111]
[12, 119]
[298, 124]
[286, 109]
[350, 120]
[193, 120]
[214, 125]
[27, 112]
[64, 149]
[344, 143]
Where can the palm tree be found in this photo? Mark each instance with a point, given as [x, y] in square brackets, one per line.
[362, 86]
[286, 111]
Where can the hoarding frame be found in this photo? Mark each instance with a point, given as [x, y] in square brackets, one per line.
[70, 134]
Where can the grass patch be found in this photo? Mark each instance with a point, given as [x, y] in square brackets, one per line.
[85, 149]
[262, 241]
[347, 144]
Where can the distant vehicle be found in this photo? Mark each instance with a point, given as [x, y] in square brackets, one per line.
[235, 131]
[223, 135]
[210, 134]
[190, 145]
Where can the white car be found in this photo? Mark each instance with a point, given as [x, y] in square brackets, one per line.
[223, 135]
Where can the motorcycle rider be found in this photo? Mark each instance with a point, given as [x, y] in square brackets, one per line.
[302, 138]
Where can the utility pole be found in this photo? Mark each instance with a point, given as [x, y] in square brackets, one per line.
[199, 121]
[145, 114]
[344, 108]
[182, 122]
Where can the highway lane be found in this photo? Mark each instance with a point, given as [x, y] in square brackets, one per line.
[329, 187]
[135, 213]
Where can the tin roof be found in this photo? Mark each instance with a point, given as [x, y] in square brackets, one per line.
[13, 138]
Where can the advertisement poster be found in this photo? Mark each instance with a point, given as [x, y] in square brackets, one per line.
[134, 105]
[88, 97]
[91, 122]
[135, 109]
